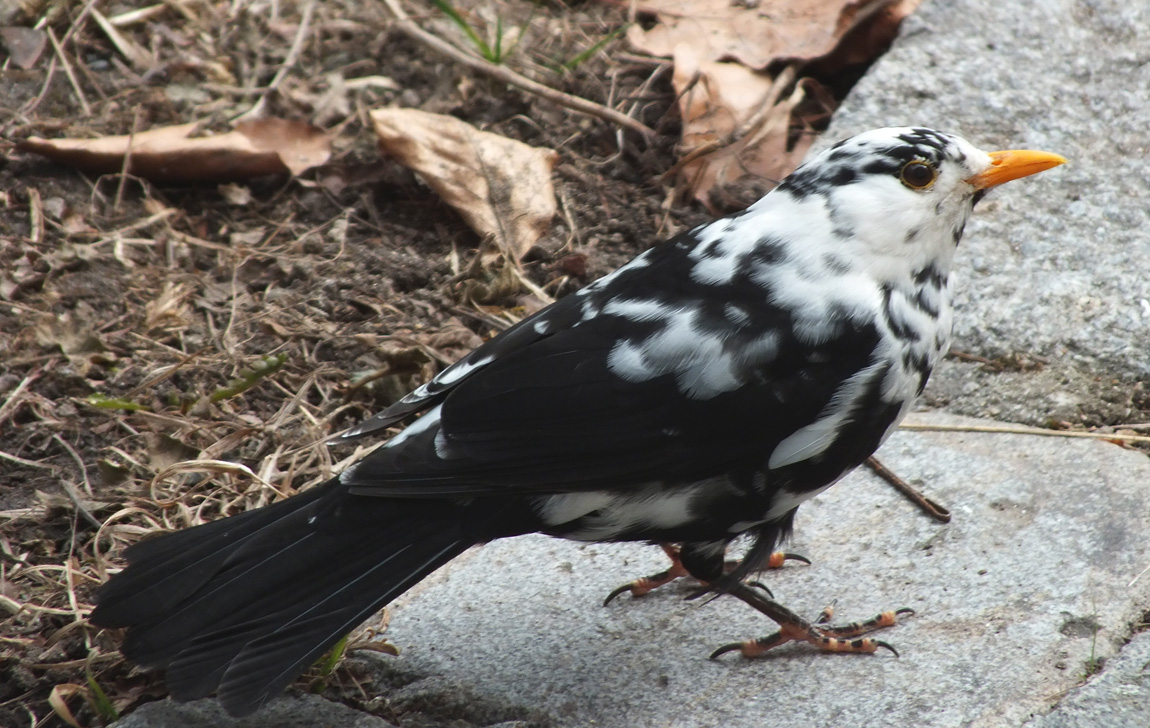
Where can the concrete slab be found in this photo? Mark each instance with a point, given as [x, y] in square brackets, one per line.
[295, 711]
[1013, 598]
[1055, 266]
[1118, 698]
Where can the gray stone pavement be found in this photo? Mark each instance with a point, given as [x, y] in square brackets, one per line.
[1013, 597]
[1034, 578]
[1117, 698]
[1054, 266]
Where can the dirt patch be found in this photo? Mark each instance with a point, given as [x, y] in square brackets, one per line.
[129, 308]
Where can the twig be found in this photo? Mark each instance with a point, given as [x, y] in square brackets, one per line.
[71, 489]
[292, 56]
[26, 463]
[1140, 575]
[203, 466]
[79, 462]
[15, 607]
[506, 75]
[139, 58]
[141, 15]
[68, 71]
[932, 509]
[35, 215]
[127, 161]
[78, 24]
[1007, 430]
[30, 105]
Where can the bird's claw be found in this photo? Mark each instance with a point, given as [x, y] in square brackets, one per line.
[845, 638]
[778, 558]
[761, 585]
[724, 649]
[618, 591]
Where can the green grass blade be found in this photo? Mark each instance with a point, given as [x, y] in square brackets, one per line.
[498, 56]
[100, 701]
[578, 59]
[452, 14]
[249, 378]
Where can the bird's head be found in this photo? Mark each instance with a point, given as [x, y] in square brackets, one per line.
[900, 197]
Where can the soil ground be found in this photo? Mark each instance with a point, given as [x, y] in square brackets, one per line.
[154, 298]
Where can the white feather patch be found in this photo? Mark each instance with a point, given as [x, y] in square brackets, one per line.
[427, 421]
[815, 438]
[805, 442]
[606, 515]
[459, 370]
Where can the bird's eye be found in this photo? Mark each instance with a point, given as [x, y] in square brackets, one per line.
[917, 175]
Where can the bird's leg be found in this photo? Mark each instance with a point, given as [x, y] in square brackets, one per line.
[793, 628]
[646, 584]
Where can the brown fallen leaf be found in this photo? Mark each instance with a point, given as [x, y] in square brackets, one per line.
[501, 187]
[738, 120]
[735, 125]
[866, 39]
[753, 34]
[254, 148]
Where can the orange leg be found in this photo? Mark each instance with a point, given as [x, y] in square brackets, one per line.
[793, 628]
[647, 584]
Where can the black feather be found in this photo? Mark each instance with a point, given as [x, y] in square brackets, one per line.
[241, 606]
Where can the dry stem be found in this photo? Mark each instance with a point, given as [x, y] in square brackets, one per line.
[502, 73]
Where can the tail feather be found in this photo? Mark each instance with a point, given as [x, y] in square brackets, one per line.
[166, 570]
[248, 682]
[241, 606]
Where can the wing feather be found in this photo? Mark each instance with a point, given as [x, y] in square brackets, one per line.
[546, 408]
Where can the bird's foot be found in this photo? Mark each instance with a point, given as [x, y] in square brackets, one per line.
[645, 585]
[826, 637]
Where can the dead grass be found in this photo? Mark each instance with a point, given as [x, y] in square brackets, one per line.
[176, 354]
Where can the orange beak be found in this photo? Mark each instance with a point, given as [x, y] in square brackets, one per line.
[1013, 164]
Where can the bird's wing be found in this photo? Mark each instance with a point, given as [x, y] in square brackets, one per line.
[629, 383]
[555, 317]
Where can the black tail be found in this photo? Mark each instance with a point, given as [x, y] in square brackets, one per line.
[243, 605]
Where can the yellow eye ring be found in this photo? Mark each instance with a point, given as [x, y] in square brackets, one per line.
[917, 175]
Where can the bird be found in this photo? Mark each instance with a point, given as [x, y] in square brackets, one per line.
[696, 395]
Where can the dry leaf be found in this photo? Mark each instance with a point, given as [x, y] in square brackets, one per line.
[738, 121]
[500, 186]
[24, 44]
[73, 332]
[715, 99]
[753, 34]
[58, 700]
[734, 126]
[869, 37]
[169, 311]
[235, 194]
[165, 451]
[171, 154]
